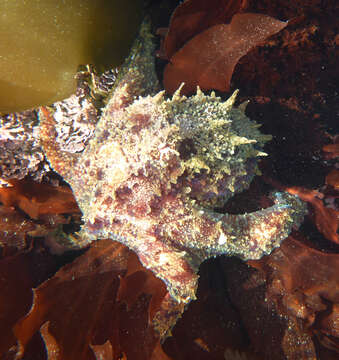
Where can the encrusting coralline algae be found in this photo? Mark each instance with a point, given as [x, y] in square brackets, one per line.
[156, 168]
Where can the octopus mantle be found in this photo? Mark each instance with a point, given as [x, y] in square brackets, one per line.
[157, 168]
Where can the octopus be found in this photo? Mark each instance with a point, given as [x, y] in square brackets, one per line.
[158, 167]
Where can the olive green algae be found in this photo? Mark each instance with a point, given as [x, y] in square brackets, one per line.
[44, 42]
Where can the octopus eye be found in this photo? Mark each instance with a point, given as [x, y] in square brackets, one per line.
[187, 149]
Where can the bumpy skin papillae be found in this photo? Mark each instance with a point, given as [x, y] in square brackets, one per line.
[155, 170]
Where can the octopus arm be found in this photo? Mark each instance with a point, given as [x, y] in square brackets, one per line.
[253, 235]
[169, 265]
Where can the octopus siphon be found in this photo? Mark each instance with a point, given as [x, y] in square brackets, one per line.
[157, 168]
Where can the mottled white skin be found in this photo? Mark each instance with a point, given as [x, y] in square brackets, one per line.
[155, 169]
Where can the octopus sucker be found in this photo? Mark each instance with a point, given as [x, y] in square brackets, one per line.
[157, 168]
